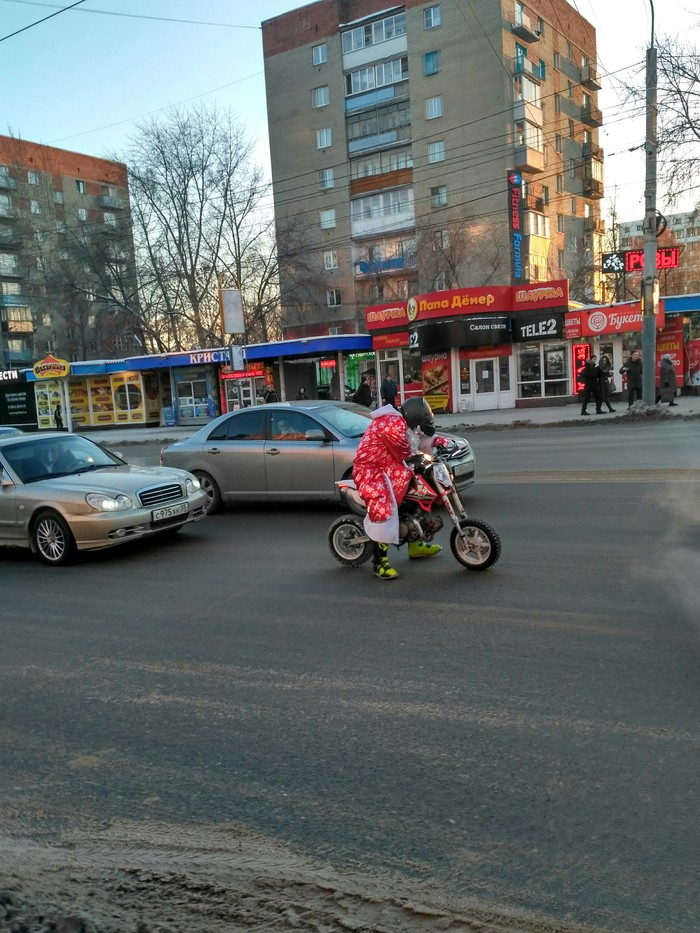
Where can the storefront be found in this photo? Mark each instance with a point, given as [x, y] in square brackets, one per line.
[475, 348]
[17, 399]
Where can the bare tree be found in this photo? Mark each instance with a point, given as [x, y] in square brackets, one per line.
[197, 206]
[678, 96]
[455, 251]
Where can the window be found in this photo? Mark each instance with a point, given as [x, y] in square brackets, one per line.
[319, 54]
[438, 196]
[35, 207]
[560, 183]
[586, 209]
[442, 281]
[60, 226]
[545, 194]
[80, 186]
[246, 425]
[572, 129]
[557, 103]
[529, 91]
[557, 61]
[560, 223]
[433, 108]
[326, 179]
[40, 264]
[82, 213]
[327, 219]
[432, 17]
[570, 89]
[380, 30]
[319, 96]
[110, 219]
[441, 239]
[330, 259]
[58, 197]
[569, 51]
[381, 205]
[436, 151]
[333, 299]
[537, 224]
[374, 76]
[572, 168]
[324, 138]
[381, 162]
[39, 236]
[560, 258]
[431, 63]
[32, 178]
[530, 135]
[290, 426]
[63, 254]
[573, 206]
[540, 26]
[557, 142]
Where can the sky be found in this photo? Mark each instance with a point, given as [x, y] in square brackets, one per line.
[84, 78]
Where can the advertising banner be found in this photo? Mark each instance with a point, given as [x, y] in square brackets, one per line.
[545, 325]
[515, 218]
[615, 319]
[435, 376]
[670, 340]
[49, 394]
[465, 332]
[693, 351]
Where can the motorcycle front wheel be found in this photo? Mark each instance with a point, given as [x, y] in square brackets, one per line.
[478, 547]
[348, 541]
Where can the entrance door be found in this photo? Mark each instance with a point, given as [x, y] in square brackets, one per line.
[490, 380]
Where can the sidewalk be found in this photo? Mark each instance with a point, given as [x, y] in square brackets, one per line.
[465, 422]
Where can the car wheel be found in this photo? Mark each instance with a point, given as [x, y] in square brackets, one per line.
[52, 539]
[209, 485]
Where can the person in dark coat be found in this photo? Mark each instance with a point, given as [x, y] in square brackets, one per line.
[604, 375]
[388, 391]
[667, 381]
[632, 367]
[591, 386]
[301, 393]
[58, 416]
[363, 396]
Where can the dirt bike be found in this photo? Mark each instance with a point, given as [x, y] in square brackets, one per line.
[474, 543]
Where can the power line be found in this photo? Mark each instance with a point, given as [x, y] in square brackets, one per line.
[50, 16]
[163, 19]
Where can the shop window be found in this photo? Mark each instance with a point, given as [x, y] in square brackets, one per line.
[542, 370]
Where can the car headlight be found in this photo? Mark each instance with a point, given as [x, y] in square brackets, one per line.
[192, 484]
[105, 503]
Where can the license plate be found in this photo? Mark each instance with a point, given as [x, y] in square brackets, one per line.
[169, 511]
[461, 469]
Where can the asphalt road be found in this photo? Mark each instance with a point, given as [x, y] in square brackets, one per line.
[527, 736]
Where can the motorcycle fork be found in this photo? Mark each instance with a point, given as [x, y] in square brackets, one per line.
[454, 507]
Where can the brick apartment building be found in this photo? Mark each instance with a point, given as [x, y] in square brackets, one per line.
[66, 255]
[397, 135]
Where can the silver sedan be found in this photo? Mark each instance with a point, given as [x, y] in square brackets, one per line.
[61, 493]
[285, 450]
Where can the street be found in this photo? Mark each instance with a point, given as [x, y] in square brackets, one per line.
[523, 743]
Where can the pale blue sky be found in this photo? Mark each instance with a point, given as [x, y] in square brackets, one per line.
[82, 79]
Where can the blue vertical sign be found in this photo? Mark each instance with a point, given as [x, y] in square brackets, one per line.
[515, 219]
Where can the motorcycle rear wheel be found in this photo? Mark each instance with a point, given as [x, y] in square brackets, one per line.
[344, 541]
[480, 547]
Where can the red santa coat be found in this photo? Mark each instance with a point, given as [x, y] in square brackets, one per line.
[383, 449]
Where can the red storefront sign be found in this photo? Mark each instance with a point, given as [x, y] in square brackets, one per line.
[615, 319]
[389, 341]
[501, 298]
[670, 340]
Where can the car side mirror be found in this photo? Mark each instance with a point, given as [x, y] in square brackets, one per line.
[4, 478]
[315, 434]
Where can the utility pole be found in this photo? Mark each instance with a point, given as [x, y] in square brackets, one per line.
[650, 285]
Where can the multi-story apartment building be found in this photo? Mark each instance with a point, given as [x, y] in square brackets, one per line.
[396, 133]
[66, 255]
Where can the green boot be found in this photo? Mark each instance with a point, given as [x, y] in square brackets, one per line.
[382, 567]
[419, 549]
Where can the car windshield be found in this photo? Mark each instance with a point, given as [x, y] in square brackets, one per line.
[350, 421]
[44, 457]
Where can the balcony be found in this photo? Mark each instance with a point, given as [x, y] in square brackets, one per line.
[532, 202]
[591, 116]
[524, 29]
[589, 78]
[10, 240]
[399, 178]
[7, 183]
[7, 211]
[382, 138]
[13, 301]
[382, 266]
[589, 151]
[110, 203]
[527, 159]
[12, 272]
[594, 225]
[523, 66]
[377, 97]
[525, 111]
[592, 187]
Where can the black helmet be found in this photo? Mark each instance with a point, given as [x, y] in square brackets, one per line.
[419, 414]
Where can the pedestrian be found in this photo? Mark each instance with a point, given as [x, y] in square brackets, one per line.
[632, 367]
[667, 381]
[604, 376]
[270, 396]
[58, 417]
[383, 478]
[301, 393]
[388, 391]
[591, 386]
[363, 396]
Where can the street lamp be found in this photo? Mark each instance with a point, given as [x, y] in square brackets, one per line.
[650, 289]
